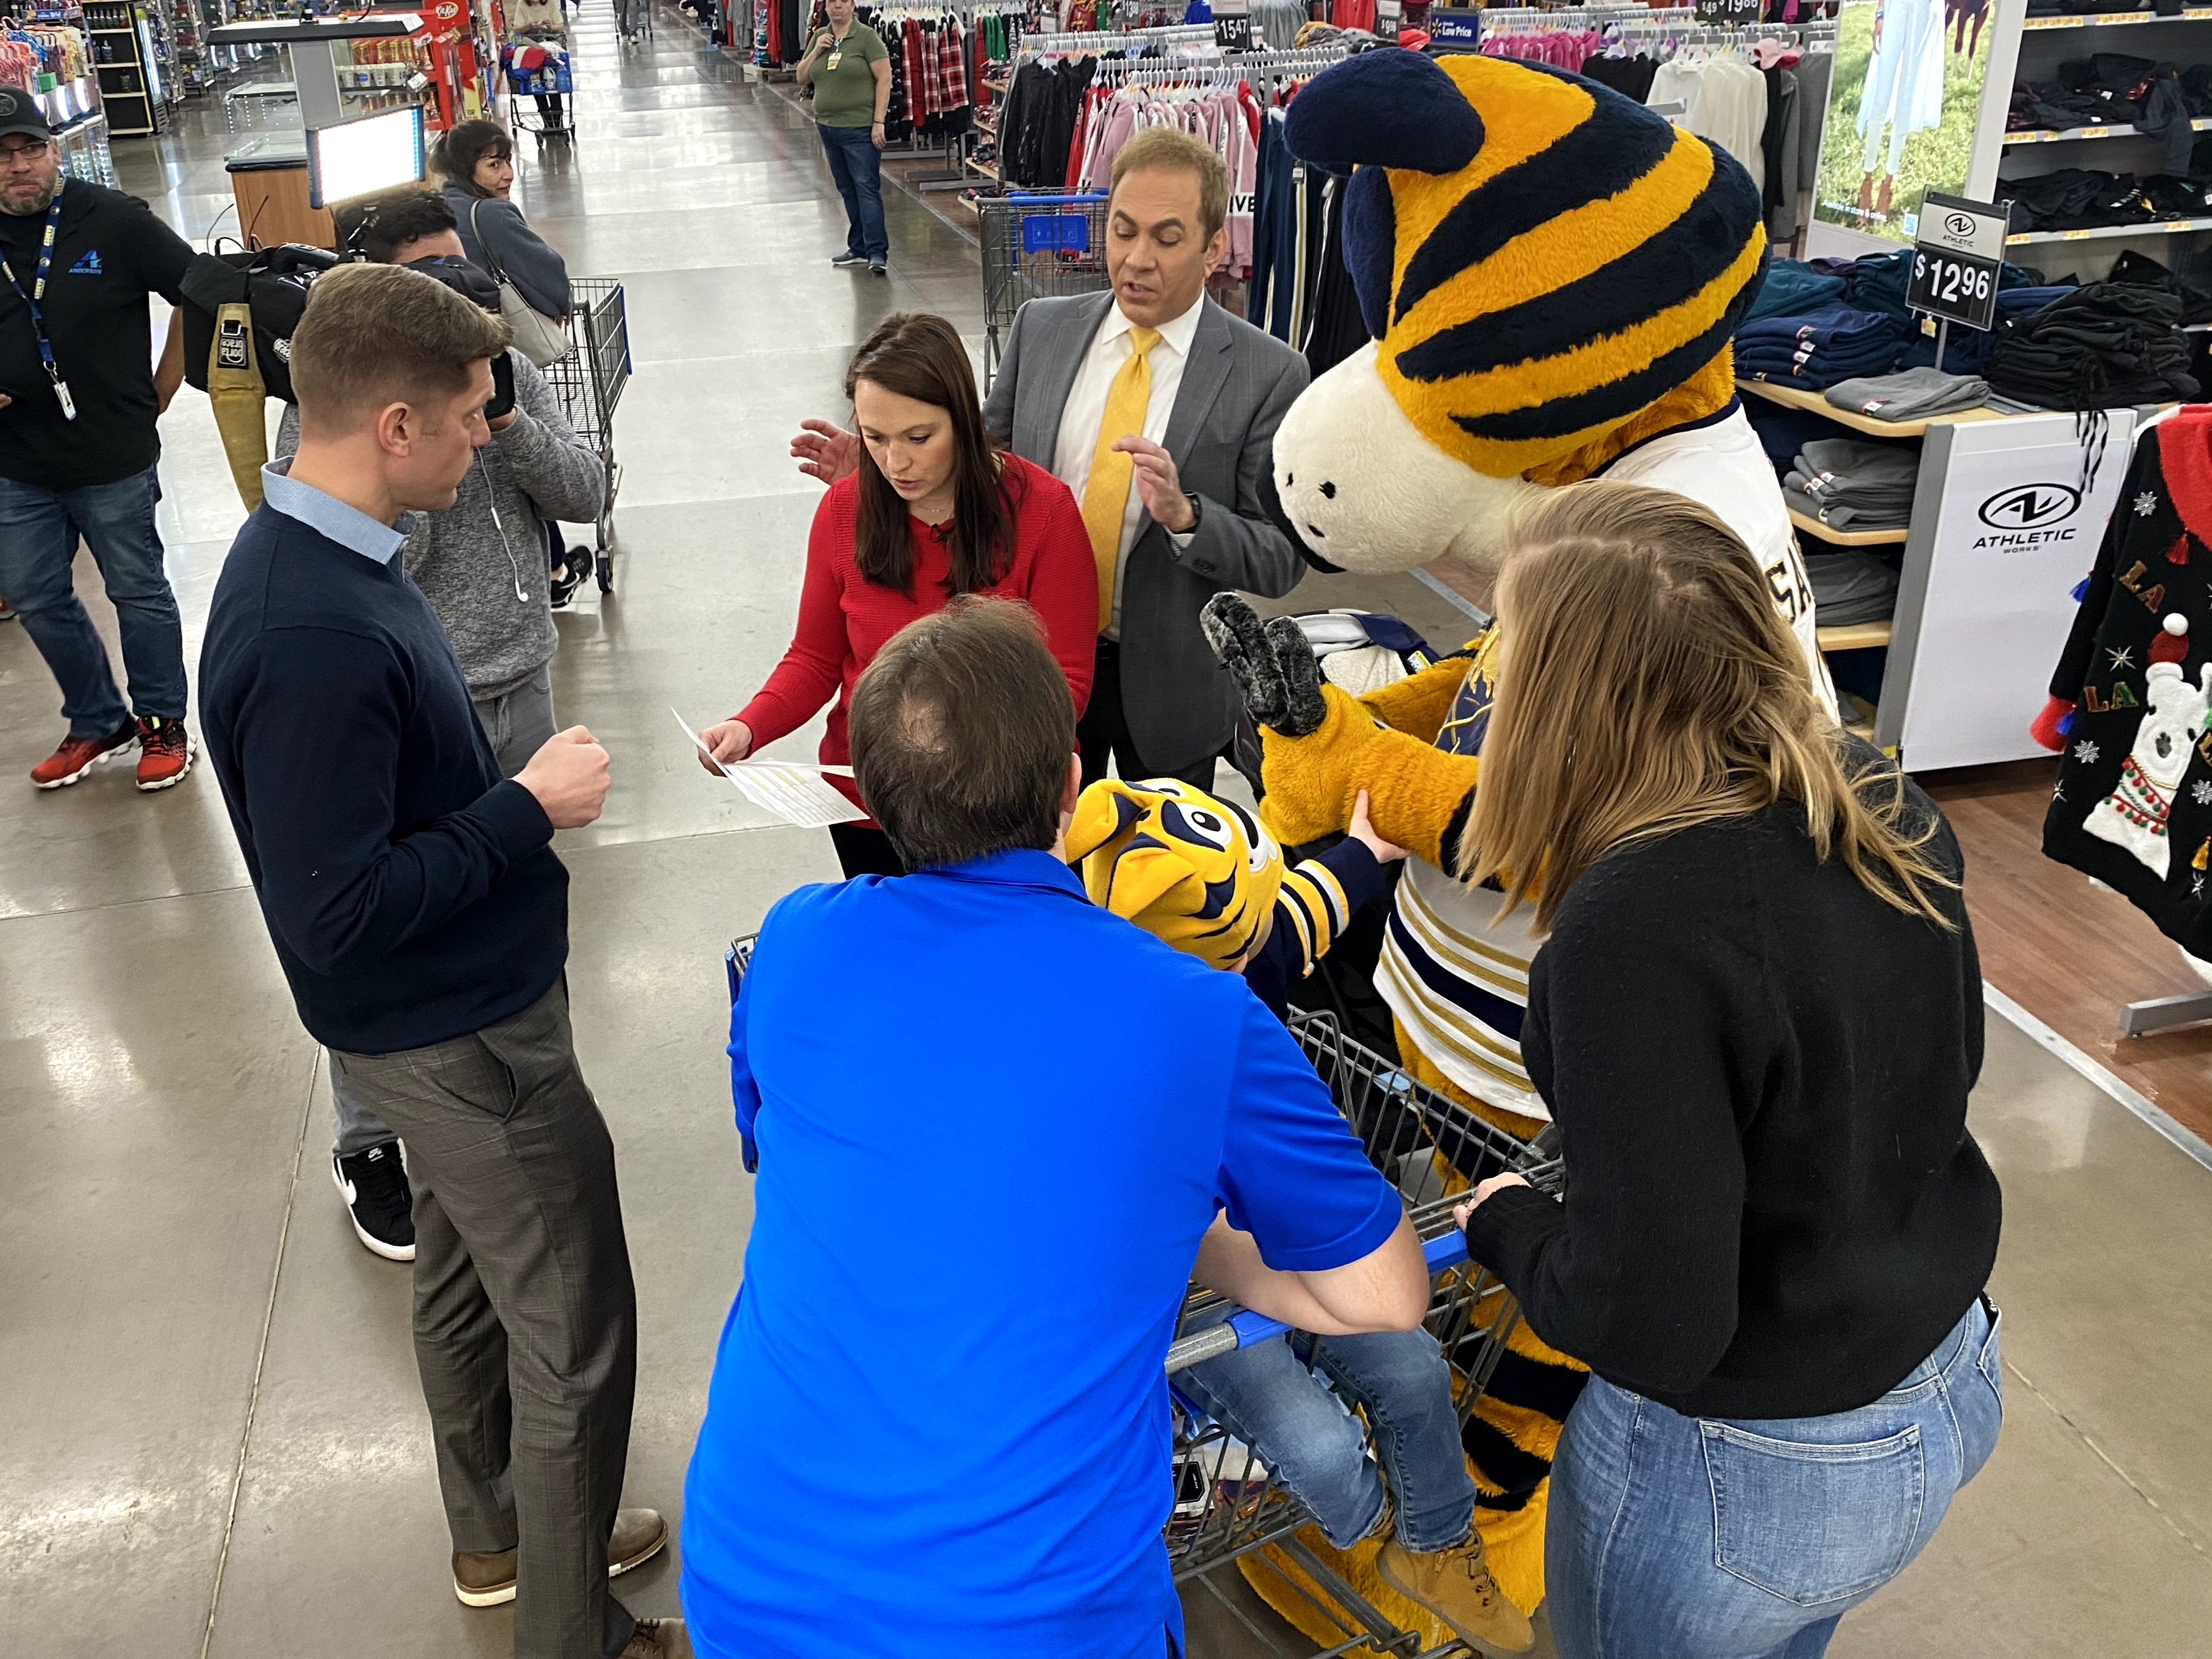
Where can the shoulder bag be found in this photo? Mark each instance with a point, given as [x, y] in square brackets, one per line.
[537, 336]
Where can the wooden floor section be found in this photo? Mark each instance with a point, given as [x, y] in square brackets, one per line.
[2070, 952]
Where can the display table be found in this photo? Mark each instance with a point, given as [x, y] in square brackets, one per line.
[269, 181]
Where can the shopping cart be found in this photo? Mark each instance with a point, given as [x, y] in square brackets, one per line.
[1227, 1507]
[525, 87]
[1033, 246]
[589, 380]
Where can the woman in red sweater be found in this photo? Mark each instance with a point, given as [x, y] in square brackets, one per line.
[933, 511]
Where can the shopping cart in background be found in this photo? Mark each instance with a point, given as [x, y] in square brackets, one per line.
[1034, 246]
[589, 380]
[1228, 1513]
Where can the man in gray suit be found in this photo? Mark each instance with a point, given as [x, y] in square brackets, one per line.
[1158, 410]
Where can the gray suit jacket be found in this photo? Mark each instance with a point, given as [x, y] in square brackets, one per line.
[1180, 703]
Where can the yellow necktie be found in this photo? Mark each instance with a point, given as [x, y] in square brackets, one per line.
[1106, 492]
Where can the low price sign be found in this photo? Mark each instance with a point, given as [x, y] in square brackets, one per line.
[1957, 259]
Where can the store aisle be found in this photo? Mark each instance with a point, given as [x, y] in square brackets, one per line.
[214, 1439]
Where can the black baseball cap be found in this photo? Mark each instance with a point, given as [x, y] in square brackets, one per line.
[19, 113]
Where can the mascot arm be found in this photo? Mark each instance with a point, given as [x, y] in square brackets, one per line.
[1416, 794]
[1418, 704]
[1240, 544]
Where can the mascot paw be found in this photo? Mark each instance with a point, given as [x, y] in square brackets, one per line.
[1273, 666]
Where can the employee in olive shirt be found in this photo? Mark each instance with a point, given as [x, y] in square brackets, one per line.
[851, 74]
[78, 400]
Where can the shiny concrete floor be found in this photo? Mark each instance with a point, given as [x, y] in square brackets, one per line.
[214, 1442]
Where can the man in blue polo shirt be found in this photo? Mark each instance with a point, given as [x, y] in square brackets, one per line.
[939, 1420]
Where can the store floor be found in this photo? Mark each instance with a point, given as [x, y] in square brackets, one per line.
[214, 1440]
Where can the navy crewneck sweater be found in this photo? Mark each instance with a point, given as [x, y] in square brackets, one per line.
[412, 894]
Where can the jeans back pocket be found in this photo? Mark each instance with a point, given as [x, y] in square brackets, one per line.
[1813, 1523]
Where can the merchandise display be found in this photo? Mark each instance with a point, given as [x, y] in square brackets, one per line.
[1910, 394]
[1853, 484]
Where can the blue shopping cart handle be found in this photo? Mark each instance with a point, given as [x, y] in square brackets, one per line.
[1053, 195]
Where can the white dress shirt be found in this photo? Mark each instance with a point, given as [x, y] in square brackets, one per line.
[1087, 408]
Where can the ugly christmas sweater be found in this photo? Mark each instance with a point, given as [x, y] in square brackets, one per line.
[2133, 806]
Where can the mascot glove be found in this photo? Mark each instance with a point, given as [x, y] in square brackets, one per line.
[1420, 704]
[1413, 790]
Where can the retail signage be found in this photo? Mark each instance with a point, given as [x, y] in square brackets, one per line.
[1903, 104]
[1957, 259]
[1232, 25]
[2022, 510]
[1388, 14]
[1729, 13]
[1452, 29]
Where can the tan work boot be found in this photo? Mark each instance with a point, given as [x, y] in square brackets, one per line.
[658, 1638]
[1455, 1585]
[487, 1580]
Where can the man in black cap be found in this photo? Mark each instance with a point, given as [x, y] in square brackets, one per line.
[78, 402]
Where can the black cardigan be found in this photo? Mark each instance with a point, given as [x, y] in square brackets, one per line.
[1759, 1071]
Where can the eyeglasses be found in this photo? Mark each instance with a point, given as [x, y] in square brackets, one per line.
[28, 149]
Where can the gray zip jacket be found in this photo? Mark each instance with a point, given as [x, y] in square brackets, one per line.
[468, 567]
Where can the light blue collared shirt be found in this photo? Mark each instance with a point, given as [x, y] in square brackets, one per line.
[349, 527]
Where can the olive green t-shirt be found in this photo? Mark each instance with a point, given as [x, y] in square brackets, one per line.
[846, 96]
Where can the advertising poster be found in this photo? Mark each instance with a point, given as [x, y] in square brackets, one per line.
[1901, 107]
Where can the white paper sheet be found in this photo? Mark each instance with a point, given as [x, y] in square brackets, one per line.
[793, 791]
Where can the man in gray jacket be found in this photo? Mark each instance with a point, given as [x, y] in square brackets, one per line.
[482, 565]
[1158, 410]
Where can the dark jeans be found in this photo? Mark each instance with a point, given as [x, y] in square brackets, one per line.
[864, 850]
[1103, 731]
[857, 166]
[550, 108]
[39, 533]
[526, 1318]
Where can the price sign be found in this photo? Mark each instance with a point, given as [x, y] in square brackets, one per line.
[1388, 16]
[1232, 25]
[1729, 12]
[1957, 259]
[1453, 28]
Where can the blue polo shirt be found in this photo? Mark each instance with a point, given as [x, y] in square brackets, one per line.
[992, 1122]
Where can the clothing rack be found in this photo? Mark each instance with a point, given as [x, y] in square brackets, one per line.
[1097, 41]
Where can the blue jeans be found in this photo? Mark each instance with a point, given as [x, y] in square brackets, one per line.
[39, 533]
[857, 166]
[1287, 1414]
[1674, 1537]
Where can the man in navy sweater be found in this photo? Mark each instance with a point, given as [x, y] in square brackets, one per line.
[420, 916]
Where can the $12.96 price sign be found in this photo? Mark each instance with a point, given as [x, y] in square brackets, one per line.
[1957, 260]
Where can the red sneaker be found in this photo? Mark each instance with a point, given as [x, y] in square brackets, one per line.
[165, 752]
[78, 756]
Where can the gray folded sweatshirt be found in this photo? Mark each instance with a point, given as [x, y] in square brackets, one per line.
[470, 566]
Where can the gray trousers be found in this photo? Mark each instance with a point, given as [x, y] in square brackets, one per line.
[526, 1317]
[518, 724]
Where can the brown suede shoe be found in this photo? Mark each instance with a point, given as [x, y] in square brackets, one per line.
[658, 1638]
[487, 1580]
[1455, 1585]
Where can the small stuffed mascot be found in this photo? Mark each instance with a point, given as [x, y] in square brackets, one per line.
[1550, 273]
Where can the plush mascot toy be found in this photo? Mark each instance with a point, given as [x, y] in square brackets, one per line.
[1551, 274]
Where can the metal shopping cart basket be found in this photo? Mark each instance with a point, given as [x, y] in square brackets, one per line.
[589, 381]
[1227, 1506]
[526, 86]
[1033, 246]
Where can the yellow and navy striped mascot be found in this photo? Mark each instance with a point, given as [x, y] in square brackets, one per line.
[1550, 273]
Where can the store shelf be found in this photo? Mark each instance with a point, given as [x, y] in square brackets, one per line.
[2118, 19]
[1857, 636]
[1812, 526]
[1790, 398]
[2070, 134]
[2097, 233]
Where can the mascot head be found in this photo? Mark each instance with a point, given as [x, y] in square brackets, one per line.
[1550, 273]
[1195, 871]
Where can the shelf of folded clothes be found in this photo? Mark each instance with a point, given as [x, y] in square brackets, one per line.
[2114, 129]
[1817, 403]
[1812, 526]
[2101, 20]
[2090, 233]
[1854, 636]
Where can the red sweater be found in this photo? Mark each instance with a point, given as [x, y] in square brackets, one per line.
[844, 619]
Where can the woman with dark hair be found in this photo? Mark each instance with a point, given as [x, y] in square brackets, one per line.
[1755, 1021]
[933, 511]
[477, 160]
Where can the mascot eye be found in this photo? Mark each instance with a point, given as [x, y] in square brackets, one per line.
[1201, 826]
[1261, 853]
[1329, 492]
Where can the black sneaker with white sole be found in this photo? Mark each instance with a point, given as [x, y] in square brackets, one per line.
[848, 260]
[374, 1184]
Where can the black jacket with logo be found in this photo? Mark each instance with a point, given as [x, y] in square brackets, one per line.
[109, 254]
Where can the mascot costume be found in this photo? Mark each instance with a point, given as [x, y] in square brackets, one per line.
[1551, 274]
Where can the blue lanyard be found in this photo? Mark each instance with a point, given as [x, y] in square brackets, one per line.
[31, 304]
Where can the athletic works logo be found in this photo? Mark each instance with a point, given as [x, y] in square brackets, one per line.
[1958, 224]
[87, 264]
[2030, 506]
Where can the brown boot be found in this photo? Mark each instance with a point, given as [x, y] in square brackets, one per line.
[486, 1580]
[658, 1638]
[1882, 197]
[1455, 1585]
[1866, 197]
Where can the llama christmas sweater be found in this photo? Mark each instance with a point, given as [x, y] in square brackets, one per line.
[2133, 805]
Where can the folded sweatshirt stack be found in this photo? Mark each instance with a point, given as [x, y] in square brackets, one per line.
[1854, 483]
[1910, 394]
[2098, 347]
[1814, 349]
[1850, 586]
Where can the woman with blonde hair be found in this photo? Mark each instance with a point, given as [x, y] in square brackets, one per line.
[1756, 1021]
